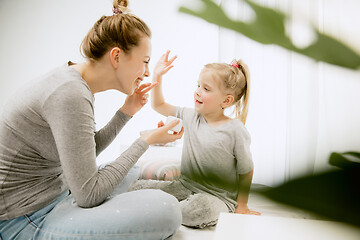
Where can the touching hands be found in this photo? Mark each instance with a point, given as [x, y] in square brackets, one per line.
[138, 99]
[164, 64]
[161, 135]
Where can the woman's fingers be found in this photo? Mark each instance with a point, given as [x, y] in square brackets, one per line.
[146, 87]
[145, 99]
[142, 86]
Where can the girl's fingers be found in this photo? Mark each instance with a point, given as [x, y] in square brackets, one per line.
[168, 68]
[172, 59]
[161, 124]
[167, 54]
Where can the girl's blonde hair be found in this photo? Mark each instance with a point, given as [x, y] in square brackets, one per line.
[122, 29]
[236, 81]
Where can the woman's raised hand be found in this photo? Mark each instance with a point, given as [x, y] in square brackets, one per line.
[133, 103]
[164, 64]
[161, 135]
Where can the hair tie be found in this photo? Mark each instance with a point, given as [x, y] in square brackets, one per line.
[116, 11]
[235, 65]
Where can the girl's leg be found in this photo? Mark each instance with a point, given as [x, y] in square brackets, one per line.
[174, 188]
[145, 214]
[201, 210]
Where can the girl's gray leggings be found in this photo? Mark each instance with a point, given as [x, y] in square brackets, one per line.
[198, 210]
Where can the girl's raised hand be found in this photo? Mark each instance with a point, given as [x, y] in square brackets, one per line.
[133, 103]
[164, 64]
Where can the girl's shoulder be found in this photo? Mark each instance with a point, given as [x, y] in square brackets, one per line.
[186, 113]
[239, 129]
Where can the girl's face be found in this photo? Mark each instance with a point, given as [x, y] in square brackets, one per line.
[134, 66]
[208, 95]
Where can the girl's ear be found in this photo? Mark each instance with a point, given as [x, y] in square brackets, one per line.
[228, 100]
[114, 55]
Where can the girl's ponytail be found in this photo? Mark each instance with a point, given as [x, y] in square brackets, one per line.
[242, 103]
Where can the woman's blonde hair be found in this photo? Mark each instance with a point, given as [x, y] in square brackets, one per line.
[236, 81]
[122, 29]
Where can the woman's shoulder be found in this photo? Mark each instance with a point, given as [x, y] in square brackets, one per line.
[66, 81]
[67, 77]
[60, 86]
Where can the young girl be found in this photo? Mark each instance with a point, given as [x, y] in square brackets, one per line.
[216, 166]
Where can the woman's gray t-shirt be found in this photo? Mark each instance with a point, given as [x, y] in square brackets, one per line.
[48, 144]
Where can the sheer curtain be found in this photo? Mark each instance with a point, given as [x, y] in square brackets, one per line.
[300, 110]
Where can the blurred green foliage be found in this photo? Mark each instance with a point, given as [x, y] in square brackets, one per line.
[268, 27]
[332, 194]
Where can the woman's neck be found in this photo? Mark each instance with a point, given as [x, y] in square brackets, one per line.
[95, 74]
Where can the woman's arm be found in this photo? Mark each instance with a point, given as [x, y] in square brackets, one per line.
[157, 98]
[243, 194]
[69, 113]
[132, 105]
[108, 133]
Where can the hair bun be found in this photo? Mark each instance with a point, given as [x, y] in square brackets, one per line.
[120, 6]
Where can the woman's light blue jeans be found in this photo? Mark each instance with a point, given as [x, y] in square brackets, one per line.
[138, 215]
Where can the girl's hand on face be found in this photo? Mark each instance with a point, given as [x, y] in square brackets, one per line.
[133, 103]
[164, 64]
[161, 135]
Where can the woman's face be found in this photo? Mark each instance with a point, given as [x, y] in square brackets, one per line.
[134, 66]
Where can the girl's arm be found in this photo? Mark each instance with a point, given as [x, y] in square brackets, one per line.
[243, 194]
[157, 99]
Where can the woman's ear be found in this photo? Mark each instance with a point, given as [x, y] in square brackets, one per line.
[114, 55]
[228, 100]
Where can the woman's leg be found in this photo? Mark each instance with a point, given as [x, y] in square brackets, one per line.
[145, 214]
[25, 227]
[174, 188]
[64, 218]
[201, 210]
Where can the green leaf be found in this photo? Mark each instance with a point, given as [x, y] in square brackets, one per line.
[334, 195]
[340, 160]
[268, 27]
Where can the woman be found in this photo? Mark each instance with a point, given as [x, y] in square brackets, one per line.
[50, 186]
